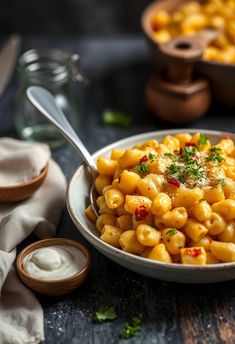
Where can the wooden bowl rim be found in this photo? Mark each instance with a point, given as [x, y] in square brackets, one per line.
[51, 242]
[145, 16]
[30, 182]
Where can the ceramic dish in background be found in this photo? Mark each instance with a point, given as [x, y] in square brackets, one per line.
[220, 75]
[77, 198]
[53, 287]
[20, 192]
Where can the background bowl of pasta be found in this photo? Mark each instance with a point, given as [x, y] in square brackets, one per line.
[208, 253]
[165, 19]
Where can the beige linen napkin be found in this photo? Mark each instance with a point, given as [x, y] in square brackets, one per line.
[21, 316]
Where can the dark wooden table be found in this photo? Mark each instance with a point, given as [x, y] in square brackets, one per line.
[171, 313]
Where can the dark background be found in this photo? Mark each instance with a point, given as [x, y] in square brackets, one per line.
[82, 17]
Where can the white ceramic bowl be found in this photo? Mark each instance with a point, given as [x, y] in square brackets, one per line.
[77, 200]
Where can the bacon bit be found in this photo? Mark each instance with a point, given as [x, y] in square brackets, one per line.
[193, 252]
[188, 144]
[173, 181]
[181, 150]
[144, 159]
[140, 213]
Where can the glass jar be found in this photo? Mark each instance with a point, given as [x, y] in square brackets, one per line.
[53, 70]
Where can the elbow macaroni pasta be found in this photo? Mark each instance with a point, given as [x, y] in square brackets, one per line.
[183, 212]
[194, 16]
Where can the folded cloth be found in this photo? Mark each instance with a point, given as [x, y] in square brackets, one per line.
[21, 316]
[21, 161]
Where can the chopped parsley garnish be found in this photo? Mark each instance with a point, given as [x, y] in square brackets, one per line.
[118, 118]
[152, 157]
[130, 330]
[105, 314]
[202, 140]
[170, 155]
[215, 149]
[191, 167]
[188, 152]
[171, 232]
[215, 156]
[175, 171]
[173, 168]
[142, 168]
[194, 168]
[221, 181]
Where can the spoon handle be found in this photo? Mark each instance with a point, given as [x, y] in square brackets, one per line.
[44, 101]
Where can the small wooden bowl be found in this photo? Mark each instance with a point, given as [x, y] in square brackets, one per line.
[20, 192]
[53, 287]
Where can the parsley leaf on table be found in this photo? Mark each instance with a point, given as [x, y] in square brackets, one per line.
[105, 313]
[137, 294]
[130, 330]
[98, 289]
[118, 118]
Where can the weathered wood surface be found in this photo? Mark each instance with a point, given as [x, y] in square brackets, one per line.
[171, 313]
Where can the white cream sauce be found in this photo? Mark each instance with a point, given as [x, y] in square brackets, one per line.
[54, 262]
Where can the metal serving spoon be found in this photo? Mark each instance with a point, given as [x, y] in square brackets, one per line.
[44, 101]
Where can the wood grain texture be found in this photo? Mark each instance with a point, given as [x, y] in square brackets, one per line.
[171, 313]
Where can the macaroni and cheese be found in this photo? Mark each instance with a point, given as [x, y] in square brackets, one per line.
[172, 201]
[194, 16]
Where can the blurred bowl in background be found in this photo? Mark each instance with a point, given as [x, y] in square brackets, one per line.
[220, 75]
